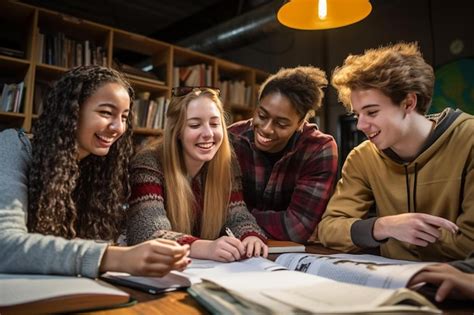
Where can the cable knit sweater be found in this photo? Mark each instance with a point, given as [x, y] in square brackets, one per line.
[148, 219]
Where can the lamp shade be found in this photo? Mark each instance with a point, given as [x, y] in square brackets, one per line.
[305, 14]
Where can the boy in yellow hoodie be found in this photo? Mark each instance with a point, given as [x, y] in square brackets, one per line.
[416, 171]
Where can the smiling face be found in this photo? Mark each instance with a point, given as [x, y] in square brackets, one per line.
[275, 121]
[202, 133]
[383, 122]
[102, 119]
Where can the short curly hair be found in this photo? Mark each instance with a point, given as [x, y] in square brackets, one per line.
[303, 86]
[72, 198]
[395, 70]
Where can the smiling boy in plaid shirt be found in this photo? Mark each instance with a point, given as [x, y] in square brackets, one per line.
[289, 167]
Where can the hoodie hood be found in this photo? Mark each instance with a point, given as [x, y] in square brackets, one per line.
[446, 123]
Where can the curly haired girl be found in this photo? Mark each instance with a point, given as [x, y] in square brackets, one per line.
[66, 189]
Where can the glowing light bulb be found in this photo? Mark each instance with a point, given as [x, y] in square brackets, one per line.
[322, 9]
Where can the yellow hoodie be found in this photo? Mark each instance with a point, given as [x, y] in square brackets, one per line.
[440, 182]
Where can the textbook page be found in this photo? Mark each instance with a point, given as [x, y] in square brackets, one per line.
[202, 268]
[340, 297]
[367, 270]
[252, 285]
[290, 292]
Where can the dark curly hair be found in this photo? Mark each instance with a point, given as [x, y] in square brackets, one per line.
[303, 86]
[68, 197]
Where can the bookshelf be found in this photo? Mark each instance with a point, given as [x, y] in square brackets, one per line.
[38, 45]
[236, 83]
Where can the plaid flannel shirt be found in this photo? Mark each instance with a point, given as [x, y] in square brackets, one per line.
[290, 205]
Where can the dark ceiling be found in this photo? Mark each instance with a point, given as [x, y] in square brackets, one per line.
[166, 20]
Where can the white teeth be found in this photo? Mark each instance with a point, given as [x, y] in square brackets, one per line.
[205, 145]
[106, 139]
[373, 134]
[264, 139]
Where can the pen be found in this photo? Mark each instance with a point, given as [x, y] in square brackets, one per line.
[229, 232]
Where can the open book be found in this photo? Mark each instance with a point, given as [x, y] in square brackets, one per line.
[259, 285]
[367, 270]
[40, 294]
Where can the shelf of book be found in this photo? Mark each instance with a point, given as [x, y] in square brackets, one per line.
[38, 45]
[236, 85]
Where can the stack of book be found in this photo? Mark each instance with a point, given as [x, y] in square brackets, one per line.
[150, 113]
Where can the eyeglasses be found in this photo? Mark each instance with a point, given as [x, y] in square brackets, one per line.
[185, 90]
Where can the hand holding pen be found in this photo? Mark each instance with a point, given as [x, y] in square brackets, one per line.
[254, 246]
[229, 232]
[225, 248]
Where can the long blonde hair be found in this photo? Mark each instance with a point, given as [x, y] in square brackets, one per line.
[180, 199]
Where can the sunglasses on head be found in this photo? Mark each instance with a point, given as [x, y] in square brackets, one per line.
[185, 90]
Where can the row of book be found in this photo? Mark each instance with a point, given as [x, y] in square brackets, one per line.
[12, 97]
[232, 91]
[150, 113]
[59, 50]
[195, 75]
[235, 93]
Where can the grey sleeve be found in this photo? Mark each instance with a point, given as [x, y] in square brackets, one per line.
[23, 252]
[361, 233]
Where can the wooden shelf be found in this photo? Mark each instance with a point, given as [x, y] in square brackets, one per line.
[12, 115]
[12, 62]
[28, 22]
[148, 131]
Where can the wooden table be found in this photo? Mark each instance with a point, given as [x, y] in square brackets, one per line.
[177, 302]
[180, 302]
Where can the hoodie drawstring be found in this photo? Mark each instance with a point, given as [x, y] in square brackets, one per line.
[414, 187]
[408, 187]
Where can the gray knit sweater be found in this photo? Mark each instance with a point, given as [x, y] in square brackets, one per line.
[23, 252]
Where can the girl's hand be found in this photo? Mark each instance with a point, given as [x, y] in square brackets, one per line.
[225, 249]
[153, 258]
[254, 246]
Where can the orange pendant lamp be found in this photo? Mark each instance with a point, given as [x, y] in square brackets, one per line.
[322, 14]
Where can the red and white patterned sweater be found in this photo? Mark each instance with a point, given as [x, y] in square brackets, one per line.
[148, 218]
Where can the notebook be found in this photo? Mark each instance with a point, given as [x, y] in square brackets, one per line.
[22, 294]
